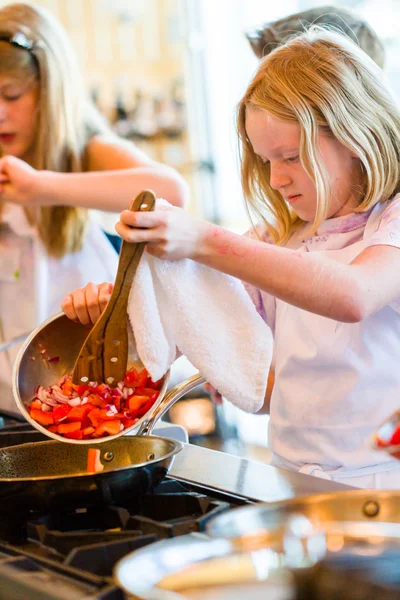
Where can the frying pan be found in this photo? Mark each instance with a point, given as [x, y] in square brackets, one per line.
[50, 476]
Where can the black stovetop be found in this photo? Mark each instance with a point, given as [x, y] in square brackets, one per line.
[71, 554]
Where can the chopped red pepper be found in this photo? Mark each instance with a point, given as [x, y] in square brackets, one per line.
[110, 427]
[44, 418]
[60, 412]
[64, 428]
[78, 413]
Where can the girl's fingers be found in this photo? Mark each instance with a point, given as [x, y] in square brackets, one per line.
[67, 306]
[131, 235]
[85, 305]
[79, 300]
[146, 219]
[105, 291]
[92, 301]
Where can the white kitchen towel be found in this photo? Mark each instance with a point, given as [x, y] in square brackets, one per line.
[210, 318]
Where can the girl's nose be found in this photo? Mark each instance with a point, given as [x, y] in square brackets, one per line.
[3, 110]
[278, 177]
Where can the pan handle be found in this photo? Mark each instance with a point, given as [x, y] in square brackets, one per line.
[169, 399]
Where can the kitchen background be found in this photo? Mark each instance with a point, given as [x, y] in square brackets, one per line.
[168, 73]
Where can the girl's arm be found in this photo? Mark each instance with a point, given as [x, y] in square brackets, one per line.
[347, 293]
[118, 172]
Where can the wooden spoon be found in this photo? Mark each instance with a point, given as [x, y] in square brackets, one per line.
[104, 354]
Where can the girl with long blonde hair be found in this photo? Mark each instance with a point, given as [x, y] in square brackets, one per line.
[320, 139]
[58, 158]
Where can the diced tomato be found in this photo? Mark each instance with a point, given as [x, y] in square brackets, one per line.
[395, 439]
[80, 389]
[131, 377]
[64, 428]
[127, 422]
[144, 408]
[94, 416]
[36, 404]
[135, 402]
[104, 416]
[88, 431]
[67, 387]
[155, 385]
[78, 413]
[61, 412]
[142, 378]
[110, 427]
[93, 463]
[44, 418]
[153, 394]
[74, 435]
[53, 428]
[117, 403]
[95, 399]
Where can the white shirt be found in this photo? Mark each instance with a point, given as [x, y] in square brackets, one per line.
[32, 284]
[335, 382]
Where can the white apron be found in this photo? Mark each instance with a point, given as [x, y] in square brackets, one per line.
[334, 384]
[32, 285]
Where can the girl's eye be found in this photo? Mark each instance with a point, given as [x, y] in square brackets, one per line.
[11, 97]
[292, 159]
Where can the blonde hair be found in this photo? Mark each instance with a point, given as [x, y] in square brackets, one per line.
[324, 82]
[66, 117]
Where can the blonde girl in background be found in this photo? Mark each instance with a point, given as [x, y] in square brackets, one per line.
[59, 158]
[320, 138]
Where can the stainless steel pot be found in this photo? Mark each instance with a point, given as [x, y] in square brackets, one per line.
[60, 338]
[263, 524]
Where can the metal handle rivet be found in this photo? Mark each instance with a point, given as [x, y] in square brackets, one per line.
[150, 456]
[108, 456]
[371, 508]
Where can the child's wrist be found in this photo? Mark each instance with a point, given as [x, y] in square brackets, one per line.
[45, 190]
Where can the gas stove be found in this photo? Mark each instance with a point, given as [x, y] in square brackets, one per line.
[71, 554]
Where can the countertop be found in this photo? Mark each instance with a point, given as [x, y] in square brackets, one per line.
[245, 478]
